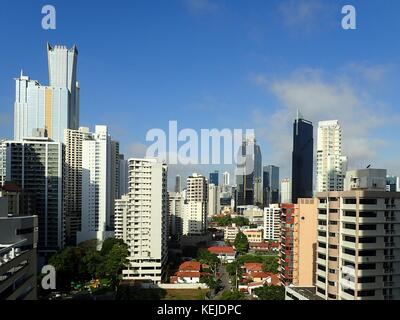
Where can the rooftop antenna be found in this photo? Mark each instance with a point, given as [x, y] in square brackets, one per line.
[369, 166]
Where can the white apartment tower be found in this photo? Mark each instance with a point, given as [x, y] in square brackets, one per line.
[196, 207]
[272, 222]
[96, 186]
[175, 213]
[286, 191]
[331, 165]
[141, 220]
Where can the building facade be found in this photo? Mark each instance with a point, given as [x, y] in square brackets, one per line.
[36, 165]
[286, 254]
[18, 255]
[270, 185]
[358, 251]
[97, 186]
[331, 164]
[272, 222]
[196, 206]
[142, 220]
[53, 108]
[302, 159]
[286, 191]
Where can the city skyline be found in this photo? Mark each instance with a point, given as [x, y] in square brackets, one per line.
[261, 86]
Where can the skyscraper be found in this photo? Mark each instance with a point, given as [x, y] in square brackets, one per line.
[225, 179]
[54, 107]
[36, 165]
[196, 206]
[73, 184]
[63, 74]
[302, 159]
[97, 186]
[214, 178]
[178, 183]
[248, 174]
[123, 176]
[214, 205]
[331, 165]
[146, 209]
[286, 191]
[270, 185]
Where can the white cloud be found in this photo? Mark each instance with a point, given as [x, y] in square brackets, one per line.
[297, 13]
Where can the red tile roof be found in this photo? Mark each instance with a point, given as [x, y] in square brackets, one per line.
[188, 274]
[190, 266]
[219, 250]
[261, 274]
[252, 266]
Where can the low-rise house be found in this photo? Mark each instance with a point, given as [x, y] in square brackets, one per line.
[231, 232]
[254, 235]
[189, 272]
[224, 253]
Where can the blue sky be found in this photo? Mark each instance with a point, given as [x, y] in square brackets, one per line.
[220, 64]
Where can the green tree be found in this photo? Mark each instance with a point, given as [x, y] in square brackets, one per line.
[211, 282]
[241, 221]
[108, 244]
[206, 257]
[92, 264]
[271, 264]
[115, 261]
[241, 243]
[233, 295]
[67, 265]
[270, 293]
[223, 221]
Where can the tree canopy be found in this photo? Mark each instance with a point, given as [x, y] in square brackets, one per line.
[85, 262]
[233, 295]
[241, 243]
[270, 293]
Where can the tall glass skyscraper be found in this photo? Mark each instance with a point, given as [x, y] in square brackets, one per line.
[214, 178]
[270, 185]
[302, 159]
[248, 174]
[54, 107]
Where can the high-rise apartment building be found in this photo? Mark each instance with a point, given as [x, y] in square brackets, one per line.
[123, 176]
[97, 186]
[36, 165]
[142, 220]
[175, 213]
[286, 191]
[214, 205]
[392, 183]
[196, 206]
[54, 107]
[248, 174]
[286, 255]
[302, 159]
[73, 183]
[272, 222]
[358, 249]
[270, 185]
[226, 179]
[331, 165]
[305, 242]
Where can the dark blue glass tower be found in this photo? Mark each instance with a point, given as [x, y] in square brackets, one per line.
[214, 178]
[302, 159]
